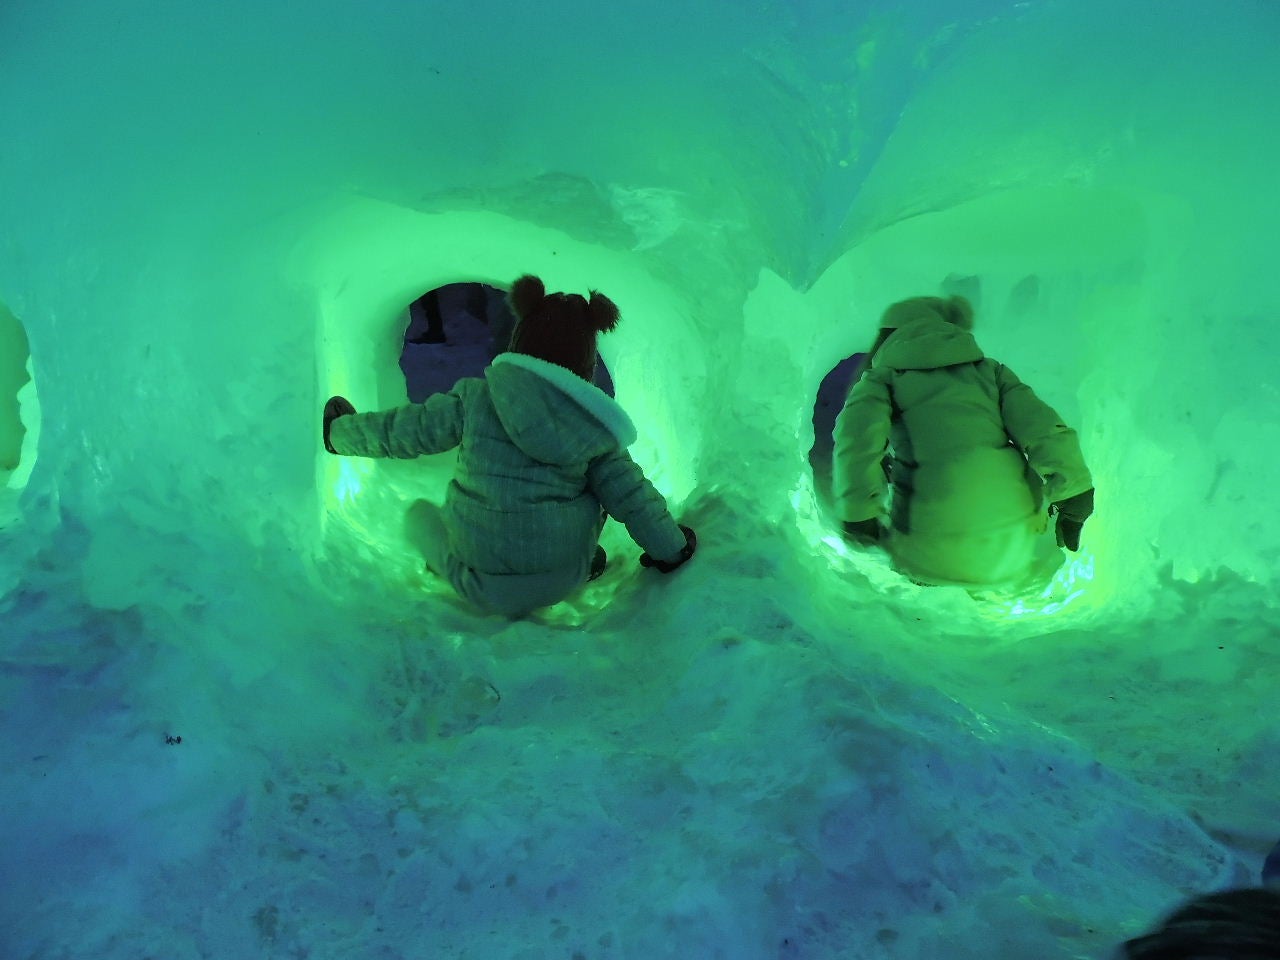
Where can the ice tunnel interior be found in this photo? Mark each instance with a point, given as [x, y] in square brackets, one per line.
[212, 218]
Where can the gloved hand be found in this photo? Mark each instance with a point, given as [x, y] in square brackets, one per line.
[666, 566]
[1072, 513]
[335, 408]
[863, 532]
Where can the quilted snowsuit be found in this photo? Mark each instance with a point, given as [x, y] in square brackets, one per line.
[970, 453]
[541, 459]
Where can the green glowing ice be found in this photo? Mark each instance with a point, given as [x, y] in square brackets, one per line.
[369, 259]
[750, 189]
[13, 376]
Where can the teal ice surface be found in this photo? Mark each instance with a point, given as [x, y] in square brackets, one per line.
[211, 219]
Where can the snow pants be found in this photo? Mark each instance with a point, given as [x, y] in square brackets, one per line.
[512, 594]
[972, 521]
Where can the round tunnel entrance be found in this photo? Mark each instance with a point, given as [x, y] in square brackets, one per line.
[454, 331]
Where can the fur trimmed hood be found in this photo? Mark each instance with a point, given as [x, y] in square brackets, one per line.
[926, 343]
[553, 415]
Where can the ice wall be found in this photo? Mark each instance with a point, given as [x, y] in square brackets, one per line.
[211, 217]
[265, 189]
[13, 376]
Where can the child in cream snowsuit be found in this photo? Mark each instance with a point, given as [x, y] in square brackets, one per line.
[970, 452]
[542, 458]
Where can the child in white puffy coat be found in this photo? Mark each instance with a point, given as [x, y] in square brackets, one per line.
[968, 453]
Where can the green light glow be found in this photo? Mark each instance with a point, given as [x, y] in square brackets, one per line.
[14, 357]
[350, 479]
[1071, 581]
[368, 259]
[1067, 586]
[837, 545]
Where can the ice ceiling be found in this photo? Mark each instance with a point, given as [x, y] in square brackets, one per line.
[213, 215]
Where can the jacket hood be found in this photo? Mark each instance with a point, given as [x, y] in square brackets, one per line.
[927, 343]
[553, 415]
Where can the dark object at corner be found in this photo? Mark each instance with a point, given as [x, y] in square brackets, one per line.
[1242, 924]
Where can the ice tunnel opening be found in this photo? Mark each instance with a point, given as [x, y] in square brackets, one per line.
[454, 331]
[365, 263]
[1059, 579]
[1048, 270]
[18, 404]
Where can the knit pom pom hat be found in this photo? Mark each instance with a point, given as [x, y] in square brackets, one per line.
[559, 327]
[955, 310]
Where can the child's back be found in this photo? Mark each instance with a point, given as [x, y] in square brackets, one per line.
[542, 459]
[970, 453]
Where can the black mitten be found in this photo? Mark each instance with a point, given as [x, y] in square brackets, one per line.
[865, 532]
[1072, 513]
[335, 408]
[666, 566]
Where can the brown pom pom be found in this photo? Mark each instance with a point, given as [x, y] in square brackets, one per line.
[960, 312]
[526, 294]
[603, 312]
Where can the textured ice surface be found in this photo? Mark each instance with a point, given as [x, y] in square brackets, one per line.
[212, 217]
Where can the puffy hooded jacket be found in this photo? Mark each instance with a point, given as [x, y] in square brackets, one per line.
[966, 445]
[541, 453]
